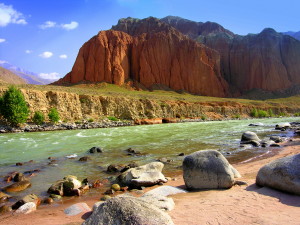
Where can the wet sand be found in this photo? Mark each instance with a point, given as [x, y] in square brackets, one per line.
[247, 204]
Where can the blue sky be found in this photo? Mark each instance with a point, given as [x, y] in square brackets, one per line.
[44, 36]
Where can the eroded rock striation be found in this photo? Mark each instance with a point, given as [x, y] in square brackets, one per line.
[268, 60]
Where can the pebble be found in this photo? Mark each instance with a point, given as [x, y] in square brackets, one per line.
[77, 209]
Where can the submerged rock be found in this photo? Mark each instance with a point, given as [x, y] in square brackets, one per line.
[282, 174]
[95, 150]
[208, 169]
[281, 126]
[249, 137]
[128, 210]
[146, 175]
[19, 186]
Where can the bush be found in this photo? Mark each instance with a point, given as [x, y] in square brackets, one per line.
[262, 113]
[203, 117]
[53, 115]
[236, 116]
[254, 113]
[270, 112]
[112, 118]
[90, 120]
[13, 106]
[38, 118]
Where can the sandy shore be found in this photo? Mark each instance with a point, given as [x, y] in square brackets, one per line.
[238, 205]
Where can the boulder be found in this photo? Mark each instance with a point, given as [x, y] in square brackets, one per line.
[282, 174]
[256, 124]
[249, 137]
[146, 175]
[84, 159]
[281, 126]
[128, 210]
[19, 186]
[95, 150]
[69, 186]
[208, 169]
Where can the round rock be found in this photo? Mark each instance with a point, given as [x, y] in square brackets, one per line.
[208, 169]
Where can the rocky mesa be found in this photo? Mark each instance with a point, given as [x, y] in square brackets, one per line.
[162, 56]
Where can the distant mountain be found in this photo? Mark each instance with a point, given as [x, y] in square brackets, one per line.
[29, 77]
[6, 76]
[293, 34]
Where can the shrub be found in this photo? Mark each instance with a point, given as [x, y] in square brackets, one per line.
[112, 118]
[53, 115]
[270, 112]
[13, 106]
[38, 118]
[203, 117]
[90, 120]
[237, 116]
[262, 113]
[297, 114]
[254, 113]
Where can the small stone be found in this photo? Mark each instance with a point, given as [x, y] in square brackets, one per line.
[4, 199]
[19, 177]
[48, 200]
[116, 187]
[97, 184]
[84, 159]
[240, 183]
[105, 197]
[55, 197]
[181, 154]
[5, 209]
[275, 145]
[77, 209]
[26, 208]
[19, 164]
[124, 188]
[109, 192]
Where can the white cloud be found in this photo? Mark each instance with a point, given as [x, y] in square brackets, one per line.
[46, 55]
[64, 56]
[70, 26]
[28, 51]
[2, 40]
[47, 24]
[3, 61]
[50, 76]
[9, 15]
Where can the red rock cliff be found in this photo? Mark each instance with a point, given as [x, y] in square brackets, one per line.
[163, 56]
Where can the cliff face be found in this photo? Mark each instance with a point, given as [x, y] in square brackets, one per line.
[152, 53]
[73, 107]
[267, 61]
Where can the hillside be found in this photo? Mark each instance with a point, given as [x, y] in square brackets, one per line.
[9, 77]
[98, 101]
[29, 77]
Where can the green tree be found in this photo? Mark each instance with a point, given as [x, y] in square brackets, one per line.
[13, 106]
[38, 118]
[53, 115]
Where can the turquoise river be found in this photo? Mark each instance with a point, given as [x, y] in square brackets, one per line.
[154, 141]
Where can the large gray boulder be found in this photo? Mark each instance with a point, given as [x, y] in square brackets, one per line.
[146, 175]
[282, 174]
[208, 169]
[128, 210]
[250, 137]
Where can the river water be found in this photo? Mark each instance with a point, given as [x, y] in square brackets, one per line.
[153, 141]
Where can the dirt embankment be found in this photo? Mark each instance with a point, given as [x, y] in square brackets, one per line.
[73, 107]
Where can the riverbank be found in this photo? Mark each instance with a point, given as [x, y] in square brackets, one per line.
[239, 205]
